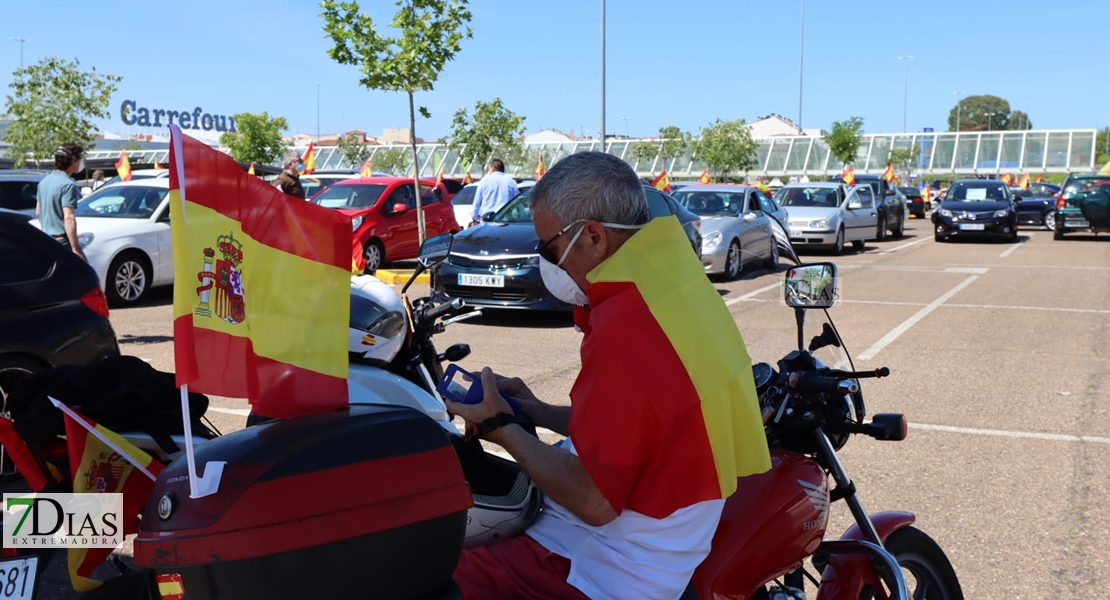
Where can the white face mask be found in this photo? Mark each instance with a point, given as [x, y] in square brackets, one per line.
[558, 281]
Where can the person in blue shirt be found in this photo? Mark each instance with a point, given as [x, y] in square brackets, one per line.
[494, 191]
[58, 196]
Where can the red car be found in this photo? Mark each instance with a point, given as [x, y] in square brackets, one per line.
[384, 216]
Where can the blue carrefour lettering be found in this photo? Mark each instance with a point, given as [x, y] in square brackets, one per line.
[126, 112]
[133, 114]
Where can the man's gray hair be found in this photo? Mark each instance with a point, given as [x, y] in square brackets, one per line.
[592, 186]
[290, 156]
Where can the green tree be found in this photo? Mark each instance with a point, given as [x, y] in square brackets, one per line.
[977, 113]
[905, 158]
[492, 131]
[431, 33]
[258, 139]
[353, 151]
[1102, 146]
[844, 138]
[390, 160]
[672, 143]
[54, 102]
[1019, 121]
[725, 146]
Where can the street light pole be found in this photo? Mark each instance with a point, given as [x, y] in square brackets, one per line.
[959, 105]
[801, 59]
[990, 116]
[601, 132]
[317, 84]
[905, 86]
[626, 120]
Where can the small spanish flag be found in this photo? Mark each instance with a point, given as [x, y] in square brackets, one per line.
[250, 171]
[1037, 180]
[158, 165]
[1008, 179]
[1023, 183]
[439, 178]
[704, 177]
[888, 174]
[540, 170]
[309, 160]
[170, 586]
[366, 171]
[123, 165]
[1105, 169]
[927, 194]
[467, 179]
[662, 182]
[849, 176]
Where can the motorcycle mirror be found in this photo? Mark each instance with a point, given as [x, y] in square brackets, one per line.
[434, 250]
[811, 286]
[456, 353]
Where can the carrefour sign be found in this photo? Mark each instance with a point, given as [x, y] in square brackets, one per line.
[132, 114]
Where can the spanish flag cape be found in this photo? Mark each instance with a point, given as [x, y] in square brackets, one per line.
[664, 412]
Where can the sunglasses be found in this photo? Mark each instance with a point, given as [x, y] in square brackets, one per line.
[546, 252]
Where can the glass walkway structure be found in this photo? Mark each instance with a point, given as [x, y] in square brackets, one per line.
[963, 153]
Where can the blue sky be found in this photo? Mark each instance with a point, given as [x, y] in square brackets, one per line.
[668, 63]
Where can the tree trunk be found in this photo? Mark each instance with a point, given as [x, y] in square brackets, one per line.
[416, 172]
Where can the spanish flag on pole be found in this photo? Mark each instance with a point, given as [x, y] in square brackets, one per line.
[309, 160]
[123, 165]
[888, 174]
[662, 182]
[103, 462]
[696, 410]
[1008, 179]
[849, 176]
[1023, 183]
[467, 179]
[705, 177]
[540, 170]
[366, 170]
[250, 171]
[1038, 179]
[262, 298]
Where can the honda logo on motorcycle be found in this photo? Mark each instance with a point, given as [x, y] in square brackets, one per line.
[819, 497]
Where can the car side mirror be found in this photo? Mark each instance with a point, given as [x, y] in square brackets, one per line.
[486, 218]
[400, 208]
[855, 205]
[750, 218]
[1017, 198]
[890, 192]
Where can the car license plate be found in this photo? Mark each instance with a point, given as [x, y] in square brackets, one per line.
[494, 281]
[1073, 223]
[17, 578]
[972, 227]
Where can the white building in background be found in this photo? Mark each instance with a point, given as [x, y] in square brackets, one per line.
[547, 136]
[774, 125]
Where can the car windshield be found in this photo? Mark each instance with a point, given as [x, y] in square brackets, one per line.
[908, 191]
[711, 204]
[974, 191]
[518, 210]
[122, 201]
[352, 195]
[313, 185]
[1092, 184]
[821, 197]
[465, 197]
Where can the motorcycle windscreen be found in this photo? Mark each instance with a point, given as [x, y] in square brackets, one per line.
[782, 240]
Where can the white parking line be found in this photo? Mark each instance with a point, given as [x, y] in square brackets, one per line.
[751, 295]
[1054, 437]
[910, 322]
[1011, 249]
[904, 246]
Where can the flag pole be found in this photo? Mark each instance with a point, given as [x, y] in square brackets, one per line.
[100, 436]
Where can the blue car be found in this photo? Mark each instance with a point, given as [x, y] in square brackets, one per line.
[1037, 205]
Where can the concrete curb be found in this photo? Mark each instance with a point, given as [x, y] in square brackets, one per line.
[401, 277]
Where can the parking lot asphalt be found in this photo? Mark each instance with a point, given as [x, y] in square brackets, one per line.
[998, 357]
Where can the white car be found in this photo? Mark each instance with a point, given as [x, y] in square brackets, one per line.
[829, 214]
[124, 230]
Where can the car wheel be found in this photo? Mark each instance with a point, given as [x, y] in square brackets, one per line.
[1050, 220]
[859, 245]
[880, 234]
[128, 279]
[374, 254]
[12, 369]
[732, 260]
[1058, 233]
[838, 247]
[939, 238]
[772, 263]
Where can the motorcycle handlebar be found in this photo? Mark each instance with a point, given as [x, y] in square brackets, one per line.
[430, 314]
[815, 382]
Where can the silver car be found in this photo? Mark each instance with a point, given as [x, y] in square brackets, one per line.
[738, 226]
[830, 214]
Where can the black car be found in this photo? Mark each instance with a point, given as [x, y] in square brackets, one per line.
[1037, 205]
[52, 310]
[494, 263]
[890, 204]
[976, 207]
[915, 200]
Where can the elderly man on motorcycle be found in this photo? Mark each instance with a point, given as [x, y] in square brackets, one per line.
[663, 418]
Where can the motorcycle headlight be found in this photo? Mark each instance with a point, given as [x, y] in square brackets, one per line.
[819, 224]
[1001, 213]
[355, 222]
[84, 239]
[712, 240]
[944, 212]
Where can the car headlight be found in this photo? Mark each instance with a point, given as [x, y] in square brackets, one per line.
[712, 240]
[1001, 213]
[84, 239]
[819, 224]
[944, 212]
[355, 222]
